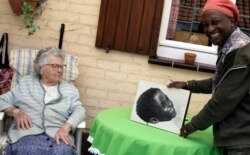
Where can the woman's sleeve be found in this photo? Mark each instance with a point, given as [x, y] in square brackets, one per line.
[78, 114]
[7, 100]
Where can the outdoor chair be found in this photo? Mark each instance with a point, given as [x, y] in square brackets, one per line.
[21, 60]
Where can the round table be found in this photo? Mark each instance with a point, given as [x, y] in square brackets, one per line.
[113, 133]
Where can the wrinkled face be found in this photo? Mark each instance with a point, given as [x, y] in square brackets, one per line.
[165, 107]
[217, 26]
[52, 71]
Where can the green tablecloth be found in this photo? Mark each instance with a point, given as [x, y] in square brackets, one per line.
[113, 133]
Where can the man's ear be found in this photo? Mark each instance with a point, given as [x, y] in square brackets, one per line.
[153, 120]
[234, 23]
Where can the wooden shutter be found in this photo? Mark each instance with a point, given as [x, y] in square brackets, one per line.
[130, 25]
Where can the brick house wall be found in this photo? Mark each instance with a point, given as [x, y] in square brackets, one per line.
[105, 80]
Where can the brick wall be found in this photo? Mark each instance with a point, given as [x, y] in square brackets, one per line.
[105, 80]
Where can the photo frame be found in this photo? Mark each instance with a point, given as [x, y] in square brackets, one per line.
[161, 107]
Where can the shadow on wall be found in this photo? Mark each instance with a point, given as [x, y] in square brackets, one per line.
[85, 143]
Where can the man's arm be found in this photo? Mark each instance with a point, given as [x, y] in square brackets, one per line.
[231, 90]
[200, 86]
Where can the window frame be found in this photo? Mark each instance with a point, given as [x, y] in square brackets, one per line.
[171, 53]
[175, 50]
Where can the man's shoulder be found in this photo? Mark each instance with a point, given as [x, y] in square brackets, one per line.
[243, 55]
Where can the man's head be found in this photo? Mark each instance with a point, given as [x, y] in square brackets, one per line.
[154, 106]
[219, 19]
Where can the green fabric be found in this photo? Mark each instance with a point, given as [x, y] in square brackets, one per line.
[115, 134]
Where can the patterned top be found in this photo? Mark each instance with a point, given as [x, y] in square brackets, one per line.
[29, 95]
[237, 40]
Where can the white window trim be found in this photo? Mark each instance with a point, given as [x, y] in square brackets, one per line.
[175, 49]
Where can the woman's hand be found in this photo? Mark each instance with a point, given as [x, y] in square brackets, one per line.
[23, 120]
[63, 134]
[178, 84]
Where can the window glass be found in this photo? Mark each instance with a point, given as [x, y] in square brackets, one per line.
[184, 24]
[244, 21]
[181, 31]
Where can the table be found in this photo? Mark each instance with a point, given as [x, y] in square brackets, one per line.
[113, 133]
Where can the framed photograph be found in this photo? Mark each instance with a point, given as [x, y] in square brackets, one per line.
[161, 107]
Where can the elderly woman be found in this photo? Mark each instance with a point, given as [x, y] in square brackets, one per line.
[228, 110]
[45, 108]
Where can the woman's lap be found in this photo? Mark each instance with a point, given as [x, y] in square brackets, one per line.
[38, 145]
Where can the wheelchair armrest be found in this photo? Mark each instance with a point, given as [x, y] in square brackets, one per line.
[1, 122]
[82, 125]
[78, 137]
[1, 115]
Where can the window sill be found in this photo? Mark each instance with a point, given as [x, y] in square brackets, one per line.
[180, 64]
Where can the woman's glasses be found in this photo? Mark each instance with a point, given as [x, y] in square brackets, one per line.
[56, 66]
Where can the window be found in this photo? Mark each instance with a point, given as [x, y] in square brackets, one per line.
[184, 22]
[134, 26]
[181, 31]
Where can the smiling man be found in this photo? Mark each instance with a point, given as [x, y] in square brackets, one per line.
[228, 110]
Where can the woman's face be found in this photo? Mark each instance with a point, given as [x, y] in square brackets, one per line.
[217, 26]
[52, 71]
[165, 107]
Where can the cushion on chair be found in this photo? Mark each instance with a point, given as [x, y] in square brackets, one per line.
[22, 61]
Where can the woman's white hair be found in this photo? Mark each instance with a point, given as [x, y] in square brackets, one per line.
[42, 57]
